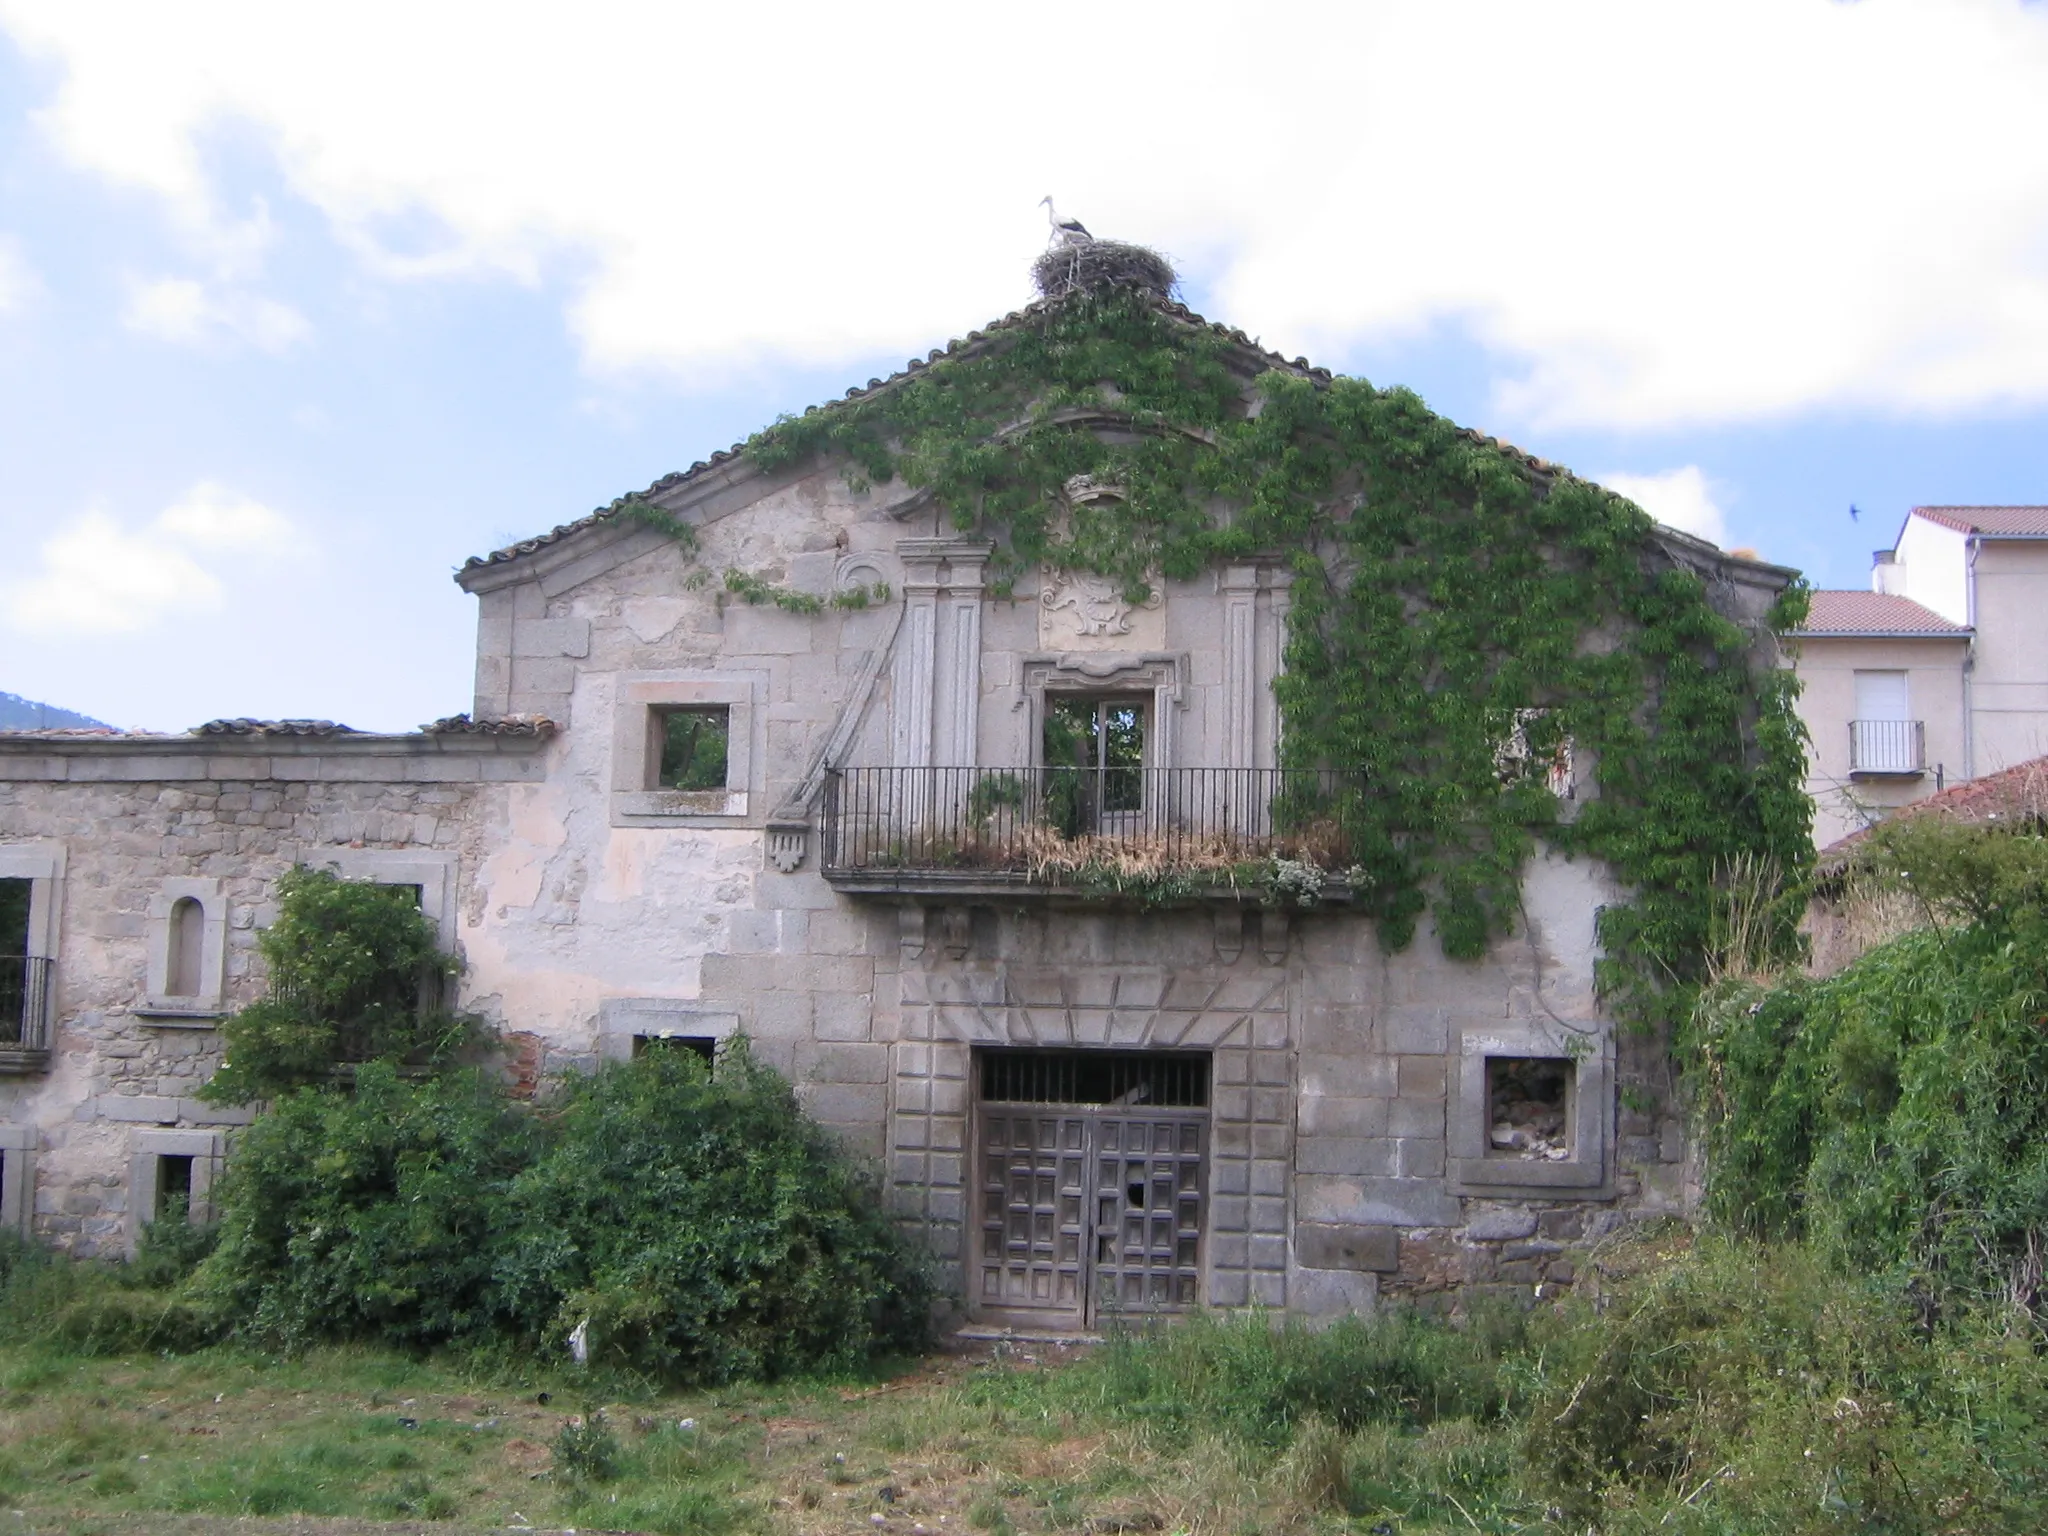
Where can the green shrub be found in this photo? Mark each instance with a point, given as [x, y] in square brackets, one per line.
[586, 1450]
[705, 1229]
[1256, 1378]
[1897, 1113]
[171, 1248]
[378, 1213]
[702, 1226]
[1745, 1389]
[94, 1307]
[355, 976]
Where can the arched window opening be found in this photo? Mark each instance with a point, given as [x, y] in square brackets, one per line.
[188, 927]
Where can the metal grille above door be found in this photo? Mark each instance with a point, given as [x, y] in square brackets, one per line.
[1093, 1207]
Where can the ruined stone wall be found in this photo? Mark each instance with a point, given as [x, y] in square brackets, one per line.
[125, 1064]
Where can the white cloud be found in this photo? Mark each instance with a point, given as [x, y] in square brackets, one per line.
[17, 279]
[98, 577]
[1651, 214]
[181, 310]
[215, 518]
[1680, 498]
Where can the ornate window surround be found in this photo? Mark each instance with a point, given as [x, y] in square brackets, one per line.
[1161, 676]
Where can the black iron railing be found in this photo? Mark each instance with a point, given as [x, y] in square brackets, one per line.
[1887, 746]
[25, 1002]
[1059, 826]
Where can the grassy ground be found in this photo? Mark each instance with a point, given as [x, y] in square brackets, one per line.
[961, 1442]
[1711, 1390]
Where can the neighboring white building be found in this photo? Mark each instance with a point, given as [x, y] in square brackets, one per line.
[1936, 675]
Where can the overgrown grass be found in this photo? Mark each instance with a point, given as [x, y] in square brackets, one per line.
[1711, 1387]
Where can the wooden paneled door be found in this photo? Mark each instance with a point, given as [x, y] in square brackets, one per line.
[1087, 1212]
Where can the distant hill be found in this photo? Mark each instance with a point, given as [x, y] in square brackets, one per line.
[19, 714]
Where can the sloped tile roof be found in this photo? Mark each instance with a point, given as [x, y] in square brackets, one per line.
[1873, 613]
[962, 346]
[2016, 795]
[504, 725]
[244, 726]
[2009, 522]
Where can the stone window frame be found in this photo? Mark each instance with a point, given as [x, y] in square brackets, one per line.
[1585, 1172]
[1159, 677]
[622, 1020]
[638, 702]
[433, 872]
[195, 1010]
[42, 865]
[18, 1147]
[207, 1149]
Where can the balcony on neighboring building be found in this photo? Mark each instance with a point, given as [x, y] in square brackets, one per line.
[24, 1014]
[1147, 835]
[1887, 748]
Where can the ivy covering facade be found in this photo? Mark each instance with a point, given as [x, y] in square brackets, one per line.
[1447, 593]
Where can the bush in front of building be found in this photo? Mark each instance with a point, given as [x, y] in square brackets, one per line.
[698, 1224]
[356, 973]
[380, 1212]
[1896, 1114]
[694, 1226]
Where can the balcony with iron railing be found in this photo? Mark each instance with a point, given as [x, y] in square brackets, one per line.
[25, 984]
[1887, 748]
[1150, 835]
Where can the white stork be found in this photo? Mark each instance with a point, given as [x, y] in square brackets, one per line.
[1066, 231]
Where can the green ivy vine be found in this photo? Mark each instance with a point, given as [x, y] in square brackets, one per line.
[1444, 590]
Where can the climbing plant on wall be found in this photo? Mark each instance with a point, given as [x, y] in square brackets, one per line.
[1447, 592]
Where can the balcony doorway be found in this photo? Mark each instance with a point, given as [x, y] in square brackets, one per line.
[1092, 1173]
[1094, 755]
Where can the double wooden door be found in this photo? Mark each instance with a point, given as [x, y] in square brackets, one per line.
[1087, 1212]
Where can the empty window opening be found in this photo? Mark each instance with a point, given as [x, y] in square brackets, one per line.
[188, 931]
[14, 900]
[697, 1045]
[1162, 1079]
[693, 748]
[174, 1186]
[14, 966]
[1094, 755]
[1529, 1099]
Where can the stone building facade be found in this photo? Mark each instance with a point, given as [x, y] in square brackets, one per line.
[1084, 1102]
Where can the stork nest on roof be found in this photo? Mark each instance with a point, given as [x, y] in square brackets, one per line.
[1097, 264]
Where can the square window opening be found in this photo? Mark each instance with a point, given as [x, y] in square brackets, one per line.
[1529, 1107]
[694, 747]
[704, 1046]
[173, 1186]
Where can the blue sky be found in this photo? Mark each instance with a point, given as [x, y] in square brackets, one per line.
[299, 306]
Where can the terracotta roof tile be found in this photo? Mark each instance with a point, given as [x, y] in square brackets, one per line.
[2018, 794]
[1873, 613]
[504, 725]
[968, 343]
[244, 726]
[2007, 522]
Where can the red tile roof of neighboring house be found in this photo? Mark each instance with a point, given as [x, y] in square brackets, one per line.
[2006, 522]
[1873, 613]
[2015, 794]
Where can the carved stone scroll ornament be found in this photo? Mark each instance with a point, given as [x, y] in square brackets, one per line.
[1097, 603]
